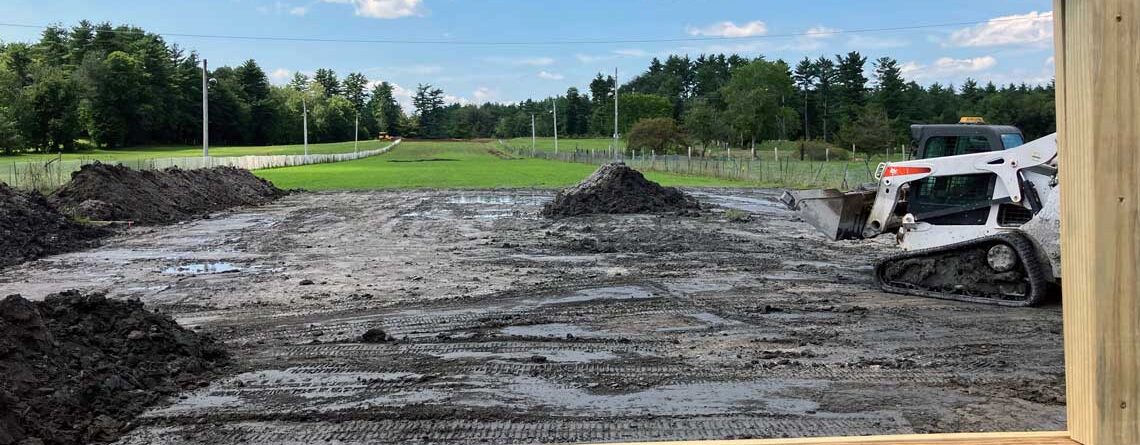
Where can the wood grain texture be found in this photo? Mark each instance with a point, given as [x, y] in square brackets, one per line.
[1098, 110]
[1031, 438]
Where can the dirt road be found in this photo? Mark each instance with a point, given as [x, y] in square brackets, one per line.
[509, 328]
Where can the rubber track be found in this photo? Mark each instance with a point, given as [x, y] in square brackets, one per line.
[1027, 254]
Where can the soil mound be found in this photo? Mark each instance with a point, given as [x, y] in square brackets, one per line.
[76, 368]
[117, 193]
[31, 228]
[617, 188]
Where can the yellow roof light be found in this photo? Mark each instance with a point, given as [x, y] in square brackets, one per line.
[971, 120]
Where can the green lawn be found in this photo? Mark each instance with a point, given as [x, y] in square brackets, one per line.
[430, 164]
[136, 153]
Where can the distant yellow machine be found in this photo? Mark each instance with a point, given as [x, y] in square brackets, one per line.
[384, 136]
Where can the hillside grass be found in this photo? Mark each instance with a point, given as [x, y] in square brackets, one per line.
[126, 155]
[450, 165]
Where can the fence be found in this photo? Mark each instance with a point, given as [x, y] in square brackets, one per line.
[47, 176]
[777, 169]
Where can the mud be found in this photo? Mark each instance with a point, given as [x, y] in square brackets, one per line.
[497, 327]
[77, 368]
[31, 228]
[105, 192]
[616, 188]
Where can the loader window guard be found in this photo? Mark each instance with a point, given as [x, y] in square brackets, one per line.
[941, 146]
[952, 200]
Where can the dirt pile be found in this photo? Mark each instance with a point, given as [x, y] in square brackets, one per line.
[76, 368]
[617, 188]
[116, 193]
[31, 228]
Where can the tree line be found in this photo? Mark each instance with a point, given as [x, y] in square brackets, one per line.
[120, 86]
[729, 99]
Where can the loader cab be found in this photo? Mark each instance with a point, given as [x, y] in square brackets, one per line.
[936, 141]
[957, 200]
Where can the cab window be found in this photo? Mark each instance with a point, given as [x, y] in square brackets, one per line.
[1010, 140]
[939, 146]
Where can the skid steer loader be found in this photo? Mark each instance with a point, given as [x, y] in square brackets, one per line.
[976, 214]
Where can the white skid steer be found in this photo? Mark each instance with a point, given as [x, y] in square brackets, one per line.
[976, 214]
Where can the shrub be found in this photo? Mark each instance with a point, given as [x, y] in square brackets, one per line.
[659, 135]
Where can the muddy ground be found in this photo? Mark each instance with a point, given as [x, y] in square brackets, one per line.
[509, 328]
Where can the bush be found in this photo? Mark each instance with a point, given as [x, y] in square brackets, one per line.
[659, 135]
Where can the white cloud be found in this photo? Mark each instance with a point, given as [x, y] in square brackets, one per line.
[280, 7]
[730, 29]
[821, 32]
[527, 61]
[589, 58]
[966, 65]
[421, 69]
[631, 52]
[1050, 61]
[947, 67]
[1027, 29]
[550, 76]
[403, 96]
[281, 76]
[484, 94]
[384, 9]
[447, 98]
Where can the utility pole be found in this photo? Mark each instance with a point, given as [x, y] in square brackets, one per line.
[532, 134]
[305, 121]
[205, 110]
[555, 124]
[356, 136]
[615, 109]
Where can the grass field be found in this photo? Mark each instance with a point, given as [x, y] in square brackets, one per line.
[564, 144]
[764, 150]
[430, 164]
[136, 153]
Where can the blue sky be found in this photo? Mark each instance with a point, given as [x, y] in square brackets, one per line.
[1015, 48]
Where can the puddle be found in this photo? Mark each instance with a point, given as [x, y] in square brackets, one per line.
[479, 206]
[201, 269]
[604, 293]
[747, 204]
[706, 319]
[551, 355]
[551, 330]
[558, 258]
[688, 399]
[522, 200]
[713, 319]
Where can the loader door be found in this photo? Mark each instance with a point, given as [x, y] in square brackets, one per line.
[953, 200]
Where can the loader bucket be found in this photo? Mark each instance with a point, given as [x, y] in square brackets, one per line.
[839, 215]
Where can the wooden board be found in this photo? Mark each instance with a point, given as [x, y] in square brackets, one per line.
[1098, 110]
[1030, 438]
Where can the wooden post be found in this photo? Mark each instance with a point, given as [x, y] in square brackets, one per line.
[1098, 123]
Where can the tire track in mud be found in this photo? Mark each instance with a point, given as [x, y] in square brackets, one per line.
[466, 431]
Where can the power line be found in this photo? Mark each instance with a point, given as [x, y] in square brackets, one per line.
[553, 42]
